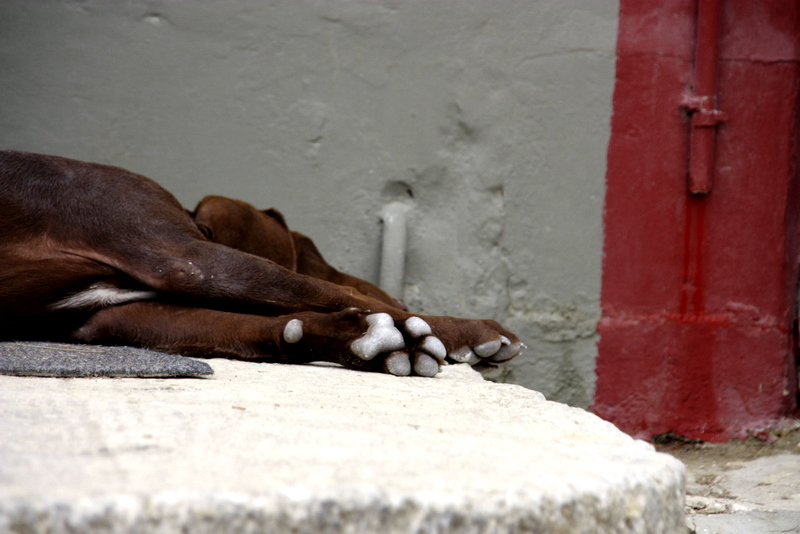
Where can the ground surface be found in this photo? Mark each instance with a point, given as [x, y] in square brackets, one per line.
[742, 487]
[706, 454]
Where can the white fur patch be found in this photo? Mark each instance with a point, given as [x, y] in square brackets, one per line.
[381, 336]
[293, 331]
[100, 295]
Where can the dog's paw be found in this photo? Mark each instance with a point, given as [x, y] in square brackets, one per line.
[423, 353]
[367, 341]
[494, 352]
[401, 346]
[417, 346]
[475, 341]
[407, 347]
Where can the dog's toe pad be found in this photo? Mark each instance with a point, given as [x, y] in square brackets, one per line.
[381, 336]
[485, 350]
[417, 327]
[434, 347]
[426, 366]
[398, 364]
[293, 331]
[507, 352]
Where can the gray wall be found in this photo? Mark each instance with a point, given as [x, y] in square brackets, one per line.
[489, 118]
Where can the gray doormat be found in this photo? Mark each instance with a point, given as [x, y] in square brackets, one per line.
[63, 360]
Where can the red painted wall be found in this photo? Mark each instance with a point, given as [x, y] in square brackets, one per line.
[698, 294]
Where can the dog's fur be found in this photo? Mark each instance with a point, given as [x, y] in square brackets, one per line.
[96, 254]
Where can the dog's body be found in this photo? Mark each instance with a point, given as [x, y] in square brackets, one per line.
[96, 254]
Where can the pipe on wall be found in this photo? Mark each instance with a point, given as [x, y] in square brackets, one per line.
[702, 103]
[394, 216]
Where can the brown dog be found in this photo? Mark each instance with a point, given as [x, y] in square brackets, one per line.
[96, 254]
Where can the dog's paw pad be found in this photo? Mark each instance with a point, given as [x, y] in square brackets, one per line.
[496, 351]
[425, 365]
[484, 350]
[381, 336]
[433, 346]
[293, 331]
[398, 363]
[463, 355]
[507, 351]
[417, 327]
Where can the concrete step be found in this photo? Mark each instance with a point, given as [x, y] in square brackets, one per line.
[319, 449]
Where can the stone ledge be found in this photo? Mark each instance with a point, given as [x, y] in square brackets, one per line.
[267, 447]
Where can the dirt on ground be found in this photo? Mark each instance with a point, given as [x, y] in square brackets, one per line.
[695, 453]
[706, 463]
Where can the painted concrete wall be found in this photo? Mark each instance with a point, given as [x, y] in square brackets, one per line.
[490, 119]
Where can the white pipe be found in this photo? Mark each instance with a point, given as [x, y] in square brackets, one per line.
[393, 253]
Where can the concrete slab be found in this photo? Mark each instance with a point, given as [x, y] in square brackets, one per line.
[273, 448]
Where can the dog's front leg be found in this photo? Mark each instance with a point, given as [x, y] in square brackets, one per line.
[213, 276]
[351, 337]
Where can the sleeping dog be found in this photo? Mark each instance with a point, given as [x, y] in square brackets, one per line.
[95, 254]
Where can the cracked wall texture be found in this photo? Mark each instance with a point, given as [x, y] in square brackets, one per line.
[490, 119]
